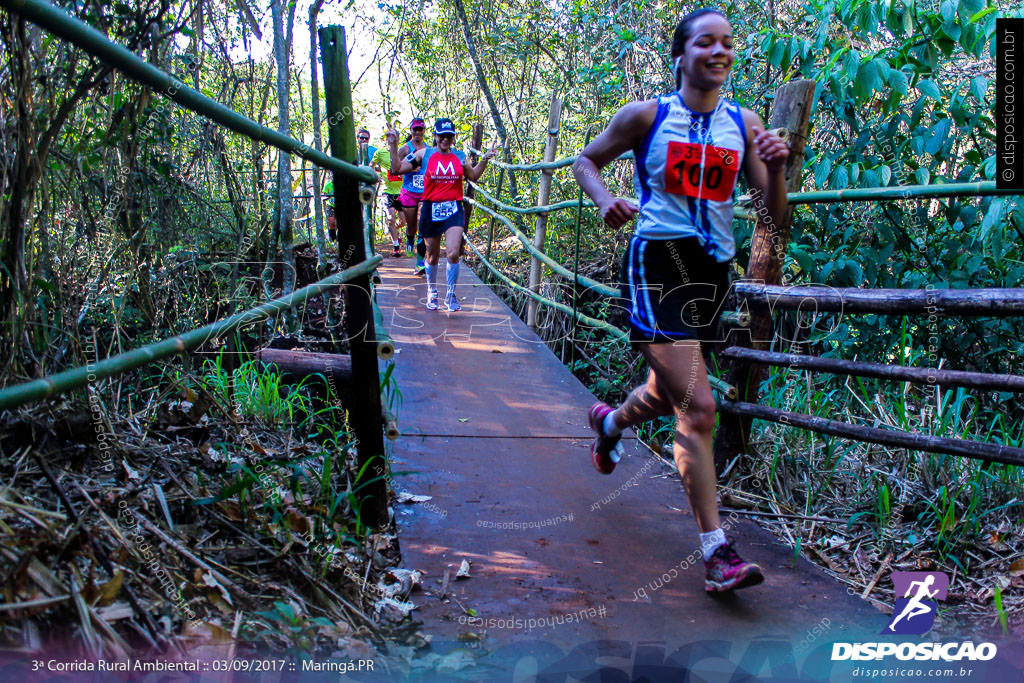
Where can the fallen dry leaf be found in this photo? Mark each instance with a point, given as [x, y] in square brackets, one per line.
[406, 497]
[463, 572]
[111, 589]
[1017, 567]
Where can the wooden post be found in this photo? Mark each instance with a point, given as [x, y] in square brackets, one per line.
[541, 226]
[490, 226]
[769, 243]
[365, 409]
[478, 139]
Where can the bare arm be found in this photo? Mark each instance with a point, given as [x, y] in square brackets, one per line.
[625, 131]
[399, 166]
[764, 167]
[474, 172]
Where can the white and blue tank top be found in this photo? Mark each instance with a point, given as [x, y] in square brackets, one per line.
[413, 180]
[685, 176]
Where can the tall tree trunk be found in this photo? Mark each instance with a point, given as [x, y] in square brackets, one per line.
[283, 211]
[499, 125]
[321, 248]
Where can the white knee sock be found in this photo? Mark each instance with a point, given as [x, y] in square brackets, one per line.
[452, 276]
[609, 425]
[432, 279]
[710, 542]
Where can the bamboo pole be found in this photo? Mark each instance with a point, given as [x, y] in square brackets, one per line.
[540, 228]
[917, 375]
[988, 452]
[365, 410]
[791, 111]
[490, 224]
[547, 165]
[385, 346]
[983, 302]
[742, 210]
[546, 208]
[588, 283]
[12, 397]
[985, 188]
[478, 139]
[620, 334]
[95, 43]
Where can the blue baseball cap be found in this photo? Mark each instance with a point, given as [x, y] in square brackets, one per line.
[444, 127]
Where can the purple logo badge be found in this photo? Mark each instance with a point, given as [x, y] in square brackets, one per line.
[916, 592]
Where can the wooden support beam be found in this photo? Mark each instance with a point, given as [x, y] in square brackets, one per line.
[968, 302]
[295, 366]
[791, 111]
[988, 452]
[900, 373]
[543, 192]
[365, 408]
[477, 141]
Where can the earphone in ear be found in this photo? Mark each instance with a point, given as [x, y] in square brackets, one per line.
[677, 70]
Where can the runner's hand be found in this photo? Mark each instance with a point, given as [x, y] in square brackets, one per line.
[391, 136]
[771, 149]
[493, 151]
[618, 212]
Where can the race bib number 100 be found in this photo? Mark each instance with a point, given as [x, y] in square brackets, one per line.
[686, 175]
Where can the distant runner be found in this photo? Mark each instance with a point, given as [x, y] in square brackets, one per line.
[392, 187]
[442, 212]
[689, 147]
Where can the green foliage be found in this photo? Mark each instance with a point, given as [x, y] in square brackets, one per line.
[254, 391]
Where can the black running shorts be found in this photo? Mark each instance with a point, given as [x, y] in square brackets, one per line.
[674, 290]
[436, 217]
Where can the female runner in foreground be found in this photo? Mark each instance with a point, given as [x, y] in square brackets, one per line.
[689, 147]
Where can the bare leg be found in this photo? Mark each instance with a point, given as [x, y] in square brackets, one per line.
[452, 243]
[393, 225]
[678, 383]
[433, 254]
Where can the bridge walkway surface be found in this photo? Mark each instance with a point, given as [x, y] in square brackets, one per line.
[563, 559]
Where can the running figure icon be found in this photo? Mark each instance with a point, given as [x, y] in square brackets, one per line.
[915, 605]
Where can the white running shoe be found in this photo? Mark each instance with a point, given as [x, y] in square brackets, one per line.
[432, 301]
[451, 302]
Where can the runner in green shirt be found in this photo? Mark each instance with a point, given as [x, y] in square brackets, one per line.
[392, 187]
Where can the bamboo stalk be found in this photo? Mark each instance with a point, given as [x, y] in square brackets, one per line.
[385, 345]
[989, 301]
[931, 376]
[543, 192]
[588, 283]
[886, 437]
[545, 165]
[985, 188]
